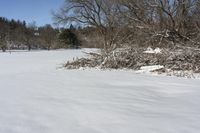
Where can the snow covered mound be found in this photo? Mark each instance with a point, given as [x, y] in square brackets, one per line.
[148, 69]
[153, 51]
[36, 96]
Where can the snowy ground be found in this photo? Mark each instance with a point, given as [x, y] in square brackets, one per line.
[38, 97]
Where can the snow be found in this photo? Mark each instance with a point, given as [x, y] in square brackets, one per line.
[148, 69]
[153, 51]
[37, 96]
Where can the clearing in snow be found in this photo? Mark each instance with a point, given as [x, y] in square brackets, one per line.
[36, 96]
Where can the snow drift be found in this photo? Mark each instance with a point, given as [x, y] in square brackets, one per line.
[36, 96]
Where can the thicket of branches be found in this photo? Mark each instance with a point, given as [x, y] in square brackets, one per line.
[173, 25]
[137, 22]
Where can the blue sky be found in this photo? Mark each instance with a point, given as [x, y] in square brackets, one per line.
[30, 10]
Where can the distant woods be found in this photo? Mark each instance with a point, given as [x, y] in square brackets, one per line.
[19, 35]
[116, 23]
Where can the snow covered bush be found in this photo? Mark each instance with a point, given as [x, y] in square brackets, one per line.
[135, 58]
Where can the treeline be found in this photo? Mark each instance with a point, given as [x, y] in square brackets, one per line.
[116, 23]
[19, 35]
[110, 24]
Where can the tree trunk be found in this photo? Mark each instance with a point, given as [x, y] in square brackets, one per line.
[29, 47]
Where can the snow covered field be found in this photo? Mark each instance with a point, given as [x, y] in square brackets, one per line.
[36, 96]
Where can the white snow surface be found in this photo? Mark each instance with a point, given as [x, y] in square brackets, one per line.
[36, 96]
[148, 69]
[153, 51]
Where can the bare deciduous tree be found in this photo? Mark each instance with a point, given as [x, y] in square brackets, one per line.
[101, 14]
[48, 36]
[3, 35]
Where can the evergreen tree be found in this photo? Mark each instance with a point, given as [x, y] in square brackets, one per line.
[69, 39]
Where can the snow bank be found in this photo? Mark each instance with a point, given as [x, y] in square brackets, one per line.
[36, 96]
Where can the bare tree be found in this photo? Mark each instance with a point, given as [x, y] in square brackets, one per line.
[3, 36]
[47, 35]
[101, 14]
[158, 20]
